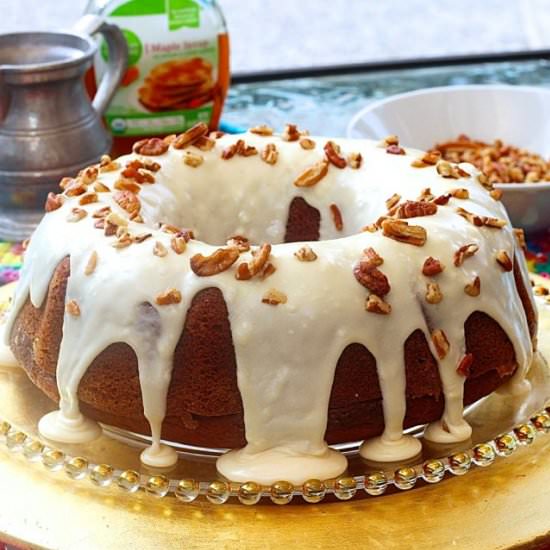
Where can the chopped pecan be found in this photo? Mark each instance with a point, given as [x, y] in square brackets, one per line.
[240, 242]
[442, 200]
[262, 130]
[313, 175]
[333, 153]
[91, 264]
[372, 279]
[108, 165]
[389, 140]
[238, 148]
[307, 143]
[400, 230]
[274, 297]
[178, 243]
[65, 183]
[291, 133]
[426, 195]
[142, 237]
[466, 251]
[446, 169]
[102, 212]
[496, 194]
[372, 257]
[415, 209]
[135, 170]
[100, 187]
[76, 215]
[305, 254]
[465, 365]
[432, 267]
[88, 175]
[336, 217]
[433, 293]
[367, 273]
[460, 193]
[441, 343]
[169, 297]
[504, 260]
[88, 198]
[270, 154]
[190, 136]
[375, 304]
[124, 240]
[204, 143]
[473, 288]
[99, 224]
[520, 237]
[247, 270]
[128, 201]
[370, 228]
[540, 290]
[427, 159]
[53, 202]
[116, 220]
[192, 160]
[75, 189]
[474, 219]
[392, 201]
[219, 261]
[395, 150]
[123, 184]
[110, 228]
[150, 147]
[72, 308]
[355, 160]
[160, 250]
[497, 223]
[248, 151]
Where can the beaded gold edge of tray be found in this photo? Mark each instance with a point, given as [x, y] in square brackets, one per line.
[501, 425]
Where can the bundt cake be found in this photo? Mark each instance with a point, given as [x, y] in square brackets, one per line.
[276, 293]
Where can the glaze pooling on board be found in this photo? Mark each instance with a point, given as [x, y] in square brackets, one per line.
[286, 354]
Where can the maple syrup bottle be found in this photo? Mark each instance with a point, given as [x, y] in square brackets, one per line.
[178, 67]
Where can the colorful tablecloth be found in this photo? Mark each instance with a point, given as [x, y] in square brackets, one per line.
[538, 258]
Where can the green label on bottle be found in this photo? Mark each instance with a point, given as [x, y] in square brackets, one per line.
[182, 13]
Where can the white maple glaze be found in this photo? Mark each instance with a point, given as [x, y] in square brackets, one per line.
[286, 354]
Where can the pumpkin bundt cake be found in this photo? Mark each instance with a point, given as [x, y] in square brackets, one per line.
[273, 293]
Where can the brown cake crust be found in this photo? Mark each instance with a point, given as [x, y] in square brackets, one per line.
[204, 406]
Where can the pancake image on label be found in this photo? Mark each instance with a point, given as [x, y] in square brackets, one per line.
[177, 84]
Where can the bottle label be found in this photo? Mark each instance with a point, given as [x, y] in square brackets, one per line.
[171, 80]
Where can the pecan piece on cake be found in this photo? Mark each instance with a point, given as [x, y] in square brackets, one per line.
[432, 267]
[313, 175]
[368, 275]
[128, 201]
[305, 254]
[274, 297]
[262, 130]
[375, 304]
[219, 261]
[504, 260]
[270, 154]
[150, 147]
[465, 251]
[190, 136]
[334, 156]
[441, 343]
[401, 231]
[169, 297]
[240, 242]
[247, 270]
[473, 288]
[416, 209]
[336, 217]
[433, 293]
[72, 308]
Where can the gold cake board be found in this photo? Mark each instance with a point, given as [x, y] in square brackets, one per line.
[502, 506]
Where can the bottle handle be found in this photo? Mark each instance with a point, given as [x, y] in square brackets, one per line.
[118, 57]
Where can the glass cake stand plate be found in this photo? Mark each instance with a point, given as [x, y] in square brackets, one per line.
[98, 495]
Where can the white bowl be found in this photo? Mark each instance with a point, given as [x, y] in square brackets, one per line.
[518, 115]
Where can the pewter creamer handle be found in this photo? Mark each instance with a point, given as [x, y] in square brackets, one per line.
[118, 57]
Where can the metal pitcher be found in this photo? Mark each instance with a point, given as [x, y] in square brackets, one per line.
[48, 126]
